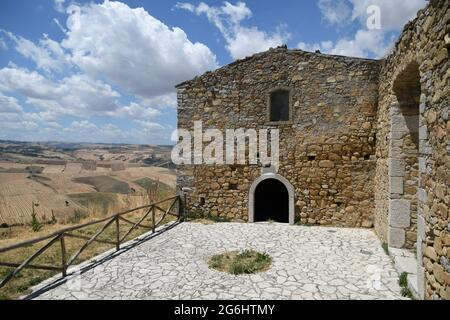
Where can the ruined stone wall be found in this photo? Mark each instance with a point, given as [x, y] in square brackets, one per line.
[327, 150]
[422, 43]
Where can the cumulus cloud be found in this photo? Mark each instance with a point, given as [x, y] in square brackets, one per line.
[132, 49]
[47, 54]
[76, 95]
[114, 62]
[365, 42]
[241, 41]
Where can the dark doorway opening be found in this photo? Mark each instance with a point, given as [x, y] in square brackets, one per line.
[271, 201]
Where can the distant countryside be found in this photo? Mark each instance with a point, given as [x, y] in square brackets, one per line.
[63, 182]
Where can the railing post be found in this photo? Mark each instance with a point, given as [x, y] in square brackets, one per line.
[63, 255]
[153, 219]
[117, 233]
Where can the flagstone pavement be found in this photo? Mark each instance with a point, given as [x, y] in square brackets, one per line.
[308, 263]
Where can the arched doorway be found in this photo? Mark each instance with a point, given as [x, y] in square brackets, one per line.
[404, 159]
[271, 201]
[271, 197]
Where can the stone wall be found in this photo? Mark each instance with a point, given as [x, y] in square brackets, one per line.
[417, 182]
[367, 144]
[327, 150]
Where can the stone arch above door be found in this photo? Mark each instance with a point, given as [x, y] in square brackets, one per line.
[285, 182]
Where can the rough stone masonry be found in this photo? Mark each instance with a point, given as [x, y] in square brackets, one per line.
[365, 143]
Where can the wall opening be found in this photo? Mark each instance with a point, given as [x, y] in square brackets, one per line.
[271, 197]
[279, 105]
[404, 159]
[271, 201]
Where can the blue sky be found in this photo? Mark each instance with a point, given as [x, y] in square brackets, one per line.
[104, 71]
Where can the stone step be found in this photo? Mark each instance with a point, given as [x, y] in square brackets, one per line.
[405, 264]
[394, 252]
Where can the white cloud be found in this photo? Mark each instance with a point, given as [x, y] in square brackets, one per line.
[335, 11]
[47, 55]
[76, 95]
[60, 6]
[114, 62]
[394, 14]
[132, 49]
[110, 54]
[149, 126]
[364, 43]
[9, 105]
[241, 41]
[135, 111]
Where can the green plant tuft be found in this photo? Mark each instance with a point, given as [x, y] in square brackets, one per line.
[35, 224]
[403, 282]
[385, 247]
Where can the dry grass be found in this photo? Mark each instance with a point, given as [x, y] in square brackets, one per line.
[22, 283]
[53, 188]
[246, 262]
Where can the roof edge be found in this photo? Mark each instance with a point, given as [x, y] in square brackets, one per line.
[283, 48]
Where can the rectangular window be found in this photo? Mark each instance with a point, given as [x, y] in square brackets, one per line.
[279, 106]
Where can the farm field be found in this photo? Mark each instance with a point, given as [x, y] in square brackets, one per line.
[63, 181]
[45, 187]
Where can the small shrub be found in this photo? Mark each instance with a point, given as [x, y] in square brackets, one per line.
[35, 224]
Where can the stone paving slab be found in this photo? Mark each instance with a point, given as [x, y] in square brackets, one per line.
[308, 263]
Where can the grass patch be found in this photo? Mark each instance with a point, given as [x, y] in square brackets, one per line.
[100, 200]
[148, 183]
[77, 217]
[105, 184]
[385, 247]
[246, 262]
[403, 282]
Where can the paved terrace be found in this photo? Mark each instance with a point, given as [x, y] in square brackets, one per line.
[308, 263]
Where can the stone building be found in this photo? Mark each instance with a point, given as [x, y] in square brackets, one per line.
[363, 143]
